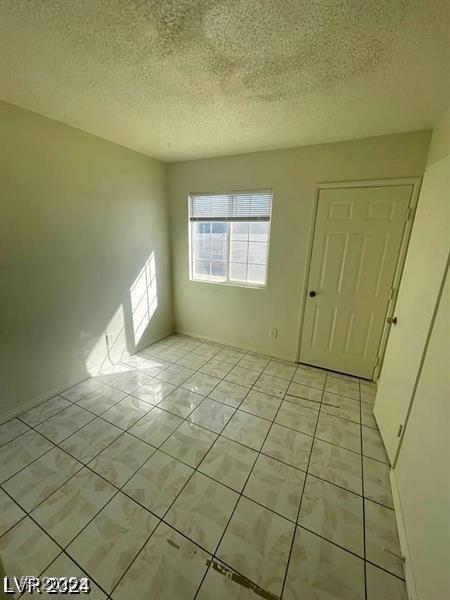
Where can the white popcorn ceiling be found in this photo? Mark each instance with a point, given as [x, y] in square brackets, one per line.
[181, 79]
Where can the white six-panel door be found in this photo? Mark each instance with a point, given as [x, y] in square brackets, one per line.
[357, 239]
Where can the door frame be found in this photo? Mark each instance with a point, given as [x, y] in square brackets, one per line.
[415, 183]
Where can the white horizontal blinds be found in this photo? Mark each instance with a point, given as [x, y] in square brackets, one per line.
[241, 206]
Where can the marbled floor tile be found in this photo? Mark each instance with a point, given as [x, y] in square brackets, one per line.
[172, 355]
[257, 543]
[321, 570]
[127, 380]
[192, 361]
[276, 486]
[383, 586]
[304, 395]
[127, 412]
[309, 378]
[297, 417]
[22, 451]
[91, 439]
[247, 429]
[138, 361]
[230, 355]
[343, 376]
[181, 402]
[156, 426]
[26, 549]
[100, 400]
[367, 417]
[11, 513]
[202, 511]
[229, 393]
[175, 374]
[381, 532]
[340, 432]
[216, 368]
[340, 406]
[12, 429]
[81, 390]
[121, 459]
[40, 479]
[108, 545]
[333, 513]
[66, 422]
[289, 446]
[158, 482]
[368, 393]
[72, 506]
[208, 349]
[373, 444]
[271, 385]
[154, 367]
[261, 405]
[223, 583]
[242, 376]
[169, 567]
[341, 387]
[62, 567]
[336, 465]
[377, 485]
[189, 443]
[229, 463]
[154, 391]
[255, 362]
[212, 415]
[200, 383]
[280, 369]
[44, 411]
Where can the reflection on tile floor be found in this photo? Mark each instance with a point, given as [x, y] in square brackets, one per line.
[194, 470]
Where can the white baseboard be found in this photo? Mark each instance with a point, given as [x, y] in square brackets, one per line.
[409, 575]
[38, 399]
[249, 348]
[55, 391]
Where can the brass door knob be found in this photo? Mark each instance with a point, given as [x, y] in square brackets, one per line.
[392, 320]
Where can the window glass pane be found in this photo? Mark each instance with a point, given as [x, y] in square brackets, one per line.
[219, 249]
[239, 231]
[257, 252]
[202, 268]
[256, 274]
[239, 251]
[258, 231]
[202, 228]
[202, 248]
[238, 272]
[218, 269]
[219, 230]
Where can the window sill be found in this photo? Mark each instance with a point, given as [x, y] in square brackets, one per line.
[229, 284]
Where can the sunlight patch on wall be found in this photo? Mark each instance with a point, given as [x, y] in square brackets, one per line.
[111, 346]
[144, 298]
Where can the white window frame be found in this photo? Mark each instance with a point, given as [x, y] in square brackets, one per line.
[228, 281]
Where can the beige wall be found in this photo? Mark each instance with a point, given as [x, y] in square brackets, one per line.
[79, 217]
[422, 471]
[242, 316]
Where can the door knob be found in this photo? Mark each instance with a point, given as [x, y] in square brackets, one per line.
[392, 320]
[312, 293]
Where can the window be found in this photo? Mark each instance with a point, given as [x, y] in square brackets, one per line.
[229, 237]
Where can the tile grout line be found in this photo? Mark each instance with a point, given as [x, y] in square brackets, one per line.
[301, 496]
[272, 421]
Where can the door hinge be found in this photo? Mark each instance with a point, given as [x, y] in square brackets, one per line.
[400, 429]
[377, 361]
[409, 214]
[391, 293]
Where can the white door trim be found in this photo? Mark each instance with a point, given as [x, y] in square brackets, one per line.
[415, 182]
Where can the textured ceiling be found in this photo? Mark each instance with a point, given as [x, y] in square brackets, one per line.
[180, 79]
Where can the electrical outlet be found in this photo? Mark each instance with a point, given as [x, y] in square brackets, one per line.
[273, 332]
[109, 339]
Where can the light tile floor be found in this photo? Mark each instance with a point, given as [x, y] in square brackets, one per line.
[193, 470]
